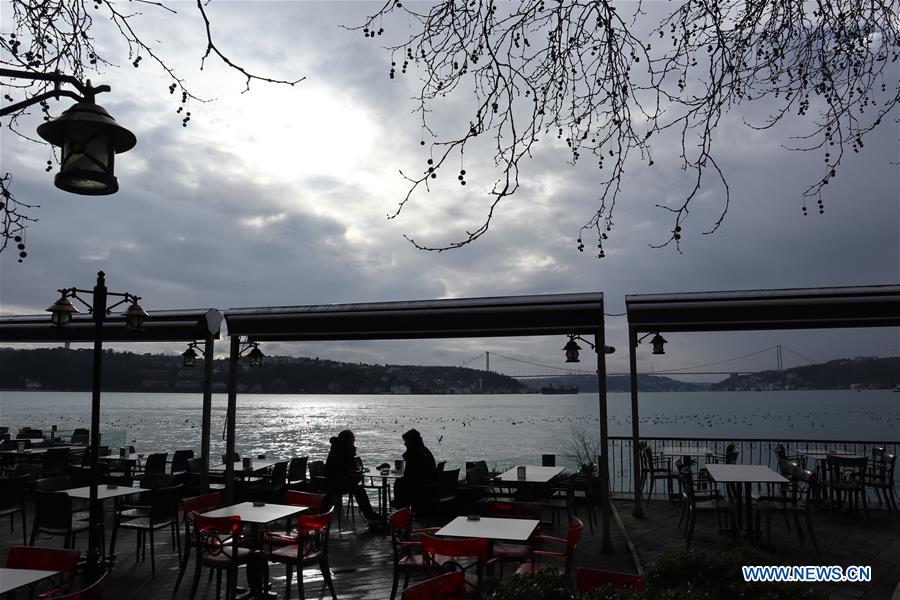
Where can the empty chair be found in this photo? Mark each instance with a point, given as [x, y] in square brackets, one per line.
[270, 489]
[450, 586]
[81, 436]
[440, 497]
[179, 466]
[655, 467]
[470, 556]
[847, 481]
[692, 503]
[315, 502]
[190, 507]
[308, 548]
[12, 500]
[53, 516]
[506, 551]
[296, 476]
[161, 512]
[803, 491]
[65, 562]
[216, 541]
[55, 462]
[93, 591]
[881, 479]
[406, 549]
[317, 480]
[564, 550]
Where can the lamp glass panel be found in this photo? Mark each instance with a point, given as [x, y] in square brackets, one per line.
[91, 154]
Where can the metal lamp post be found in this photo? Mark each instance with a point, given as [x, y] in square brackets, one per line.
[189, 359]
[61, 316]
[87, 135]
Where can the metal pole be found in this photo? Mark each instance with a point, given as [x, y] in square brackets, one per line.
[233, 364]
[635, 425]
[95, 539]
[600, 345]
[207, 411]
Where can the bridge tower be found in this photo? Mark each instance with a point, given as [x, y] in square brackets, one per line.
[487, 362]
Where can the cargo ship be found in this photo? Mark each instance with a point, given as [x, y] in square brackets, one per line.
[563, 389]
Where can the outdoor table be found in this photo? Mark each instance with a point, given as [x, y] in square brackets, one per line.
[257, 465]
[13, 579]
[534, 478]
[41, 450]
[104, 491]
[257, 516]
[686, 452]
[383, 500]
[748, 475]
[492, 528]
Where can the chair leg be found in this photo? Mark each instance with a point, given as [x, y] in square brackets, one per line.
[219, 583]
[812, 536]
[182, 567]
[289, 576]
[300, 582]
[650, 490]
[196, 581]
[24, 535]
[326, 573]
[395, 583]
[889, 493]
[152, 555]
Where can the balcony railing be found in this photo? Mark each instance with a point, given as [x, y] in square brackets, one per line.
[755, 451]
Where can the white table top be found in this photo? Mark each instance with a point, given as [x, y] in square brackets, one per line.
[686, 451]
[104, 491]
[256, 514]
[533, 474]
[516, 530]
[744, 474]
[12, 579]
[258, 465]
[391, 474]
[42, 450]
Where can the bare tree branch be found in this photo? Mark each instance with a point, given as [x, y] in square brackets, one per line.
[59, 36]
[609, 85]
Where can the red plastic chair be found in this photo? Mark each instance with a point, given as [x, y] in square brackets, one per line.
[407, 551]
[588, 579]
[442, 555]
[310, 500]
[46, 559]
[308, 548]
[451, 586]
[92, 592]
[189, 508]
[513, 510]
[216, 540]
[536, 564]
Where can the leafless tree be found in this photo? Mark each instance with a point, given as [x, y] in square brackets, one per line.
[60, 36]
[610, 83]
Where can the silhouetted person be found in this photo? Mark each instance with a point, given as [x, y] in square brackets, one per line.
[419, 470]
[344, 475]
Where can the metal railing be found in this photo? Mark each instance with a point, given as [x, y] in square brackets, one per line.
[752, 451]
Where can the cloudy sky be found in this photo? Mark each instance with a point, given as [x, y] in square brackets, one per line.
[279, 196]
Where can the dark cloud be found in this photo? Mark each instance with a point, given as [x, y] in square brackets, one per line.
[201, 220]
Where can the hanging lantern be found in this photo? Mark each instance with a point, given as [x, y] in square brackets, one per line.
[658, 342]
[134, 317]
[571, 350]
[90, 138]
[189, 358]
[61, 312]
[255, 357]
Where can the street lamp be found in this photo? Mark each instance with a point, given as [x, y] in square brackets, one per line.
[572, 348]
[657, 342]
[189, 356]
[87, 135]
[61, 316]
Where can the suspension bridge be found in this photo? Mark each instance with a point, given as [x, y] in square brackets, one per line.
[523, 369]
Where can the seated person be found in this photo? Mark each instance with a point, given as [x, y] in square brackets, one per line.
[419, 471]
[343, 475]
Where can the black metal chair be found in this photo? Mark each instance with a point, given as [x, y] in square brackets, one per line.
[653, 468]
[296, 476]
[161, 512]
[53, 516]
[55, 461]
[797, 500]
[179, 466]
[847, 481]
[880, 478]
[693, 504]
[12, 500]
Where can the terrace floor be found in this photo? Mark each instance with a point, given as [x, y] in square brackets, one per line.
[361, 559]
[844, 539]
[360, 563]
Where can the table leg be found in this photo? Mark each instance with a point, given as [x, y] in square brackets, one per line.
[749, 500]
[257, 569]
